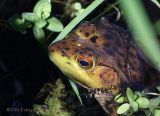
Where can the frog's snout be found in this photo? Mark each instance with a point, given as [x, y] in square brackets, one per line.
[53, 47]
[56, 47]
[50, 48]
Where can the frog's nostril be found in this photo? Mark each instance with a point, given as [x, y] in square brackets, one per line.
[52, 50]
[63, 50]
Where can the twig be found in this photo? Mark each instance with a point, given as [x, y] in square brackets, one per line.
[106, 10]
[156, 94]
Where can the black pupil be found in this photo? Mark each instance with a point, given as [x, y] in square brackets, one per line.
[84, 63]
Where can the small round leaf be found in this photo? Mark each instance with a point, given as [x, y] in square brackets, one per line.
[135, 97]
[43, 9]
[143, 102]
[18, 23]
[129, 94]
[39, 34]
[157, 113]
[134, 105]
[117, 96]
[77, 6]
[54, 25]
[28, 24]
[31, 17]
[138, 93]
[120, 100]
[154, 102]
[123, 108]
[41, 23]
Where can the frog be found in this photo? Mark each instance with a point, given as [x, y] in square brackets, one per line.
[100, 55]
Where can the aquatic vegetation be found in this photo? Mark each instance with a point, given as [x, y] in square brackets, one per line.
[54, 104]
[136, 101]
[38, 19]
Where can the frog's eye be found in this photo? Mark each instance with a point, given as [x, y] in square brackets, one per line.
[85, 61]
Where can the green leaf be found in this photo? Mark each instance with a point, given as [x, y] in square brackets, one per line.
[28, 24]
[17, 23]
[144, 92]
[31, 17]
[16, 20]
[41, 23]
[134, 105]
[119, 98]
[39, 34]
[143, 102]
[154, 102]
[135, 97]
[43, 9]
[157, 113]
[148, 112]
[129, 94]
[138, 93]
[74, 86]
[77, 6]
[54, 25]
[123, 108]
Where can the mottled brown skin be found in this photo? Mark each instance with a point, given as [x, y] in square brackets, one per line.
[112, 45]
[117, 60]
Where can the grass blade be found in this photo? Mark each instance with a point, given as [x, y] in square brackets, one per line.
[77, 19]
[143, 31]
[74, 86]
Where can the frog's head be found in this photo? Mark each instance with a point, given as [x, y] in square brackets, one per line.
[81, 57]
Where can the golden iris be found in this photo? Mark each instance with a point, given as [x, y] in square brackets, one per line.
[85, 61]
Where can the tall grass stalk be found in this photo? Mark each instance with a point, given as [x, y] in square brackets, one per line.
[143, 32]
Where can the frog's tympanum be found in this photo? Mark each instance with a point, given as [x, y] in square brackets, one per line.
[99, 55]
